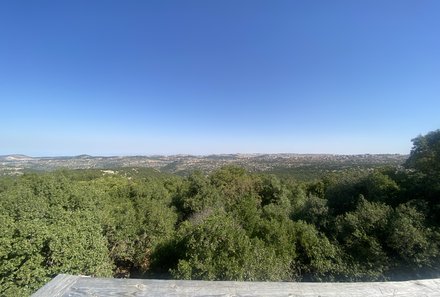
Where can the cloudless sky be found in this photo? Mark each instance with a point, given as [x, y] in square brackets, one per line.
[220, 76]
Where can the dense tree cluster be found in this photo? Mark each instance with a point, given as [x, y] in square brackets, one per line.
[229, 225]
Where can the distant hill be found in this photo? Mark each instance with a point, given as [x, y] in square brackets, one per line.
[15, 157]
[303, 166]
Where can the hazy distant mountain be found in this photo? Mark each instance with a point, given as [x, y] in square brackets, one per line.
[15, 157]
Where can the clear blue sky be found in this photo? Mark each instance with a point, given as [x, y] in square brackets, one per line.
[219, 76]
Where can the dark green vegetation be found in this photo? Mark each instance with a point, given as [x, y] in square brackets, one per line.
[229, 225]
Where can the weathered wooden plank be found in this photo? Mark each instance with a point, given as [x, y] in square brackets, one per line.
[85, 286]
[57, 286]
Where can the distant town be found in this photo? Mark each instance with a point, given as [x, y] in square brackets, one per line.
[183, 164]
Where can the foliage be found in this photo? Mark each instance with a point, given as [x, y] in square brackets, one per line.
[48, 228]
[218, 249]
[425, 154]
[414, 245]
[425, 161]
[229, 225]
[318, 258]
[361, 234]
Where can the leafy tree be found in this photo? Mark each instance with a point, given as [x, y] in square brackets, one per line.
[414, 245]
[136, 218]
[379, 187]
[247, 212]
[278, 233]
[45, 231]
[314, 211]
[361, 234]
[235, 184]
[317, 189]
[219, 249]
[196, 195]
[272, 191]
[425, 159]
[317, 258]
[425, 154]
[343, 192]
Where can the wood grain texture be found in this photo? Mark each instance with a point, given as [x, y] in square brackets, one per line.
[57, 286]
[86, 286]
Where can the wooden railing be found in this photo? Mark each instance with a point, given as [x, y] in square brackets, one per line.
[78, 286]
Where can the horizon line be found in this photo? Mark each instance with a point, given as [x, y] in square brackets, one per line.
[193, 155]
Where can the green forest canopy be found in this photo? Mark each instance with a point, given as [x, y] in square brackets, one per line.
[381, 224]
